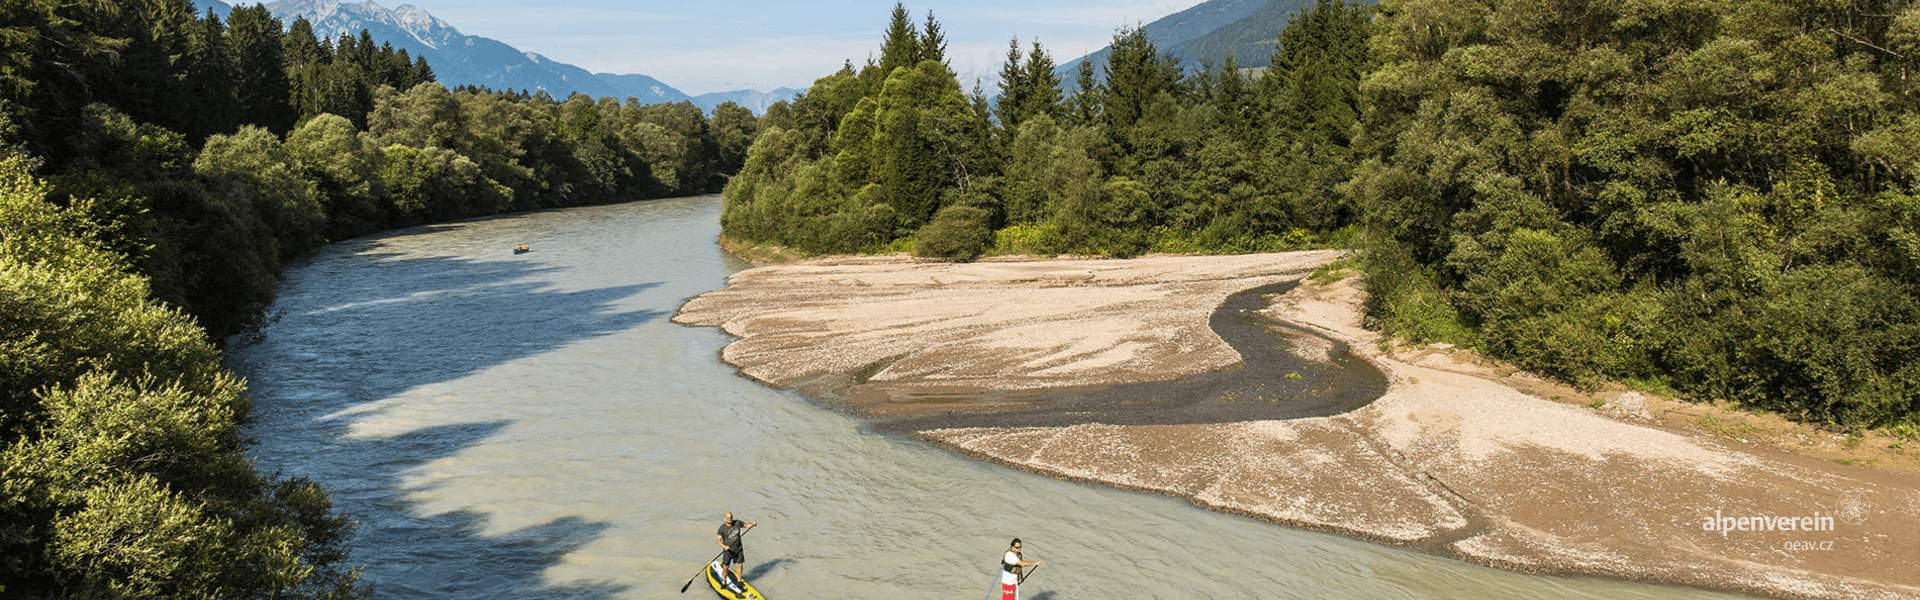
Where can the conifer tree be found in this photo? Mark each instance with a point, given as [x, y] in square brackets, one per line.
[306, 69]
[901, 46]
[1043, 85]
[1136, 73]
[933, 43]
[1085, 107]
[209, 68]
[1013, 88]
[422, 73]
[1028, 86]
[261, 89]
[1231, 96]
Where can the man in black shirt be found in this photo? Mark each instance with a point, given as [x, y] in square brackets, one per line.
[729, 539]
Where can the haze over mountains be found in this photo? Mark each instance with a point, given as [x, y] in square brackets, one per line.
[460, 59]
[1206, 32]
[1197, 36]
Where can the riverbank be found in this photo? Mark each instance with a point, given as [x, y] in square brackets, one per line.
[1453, 458]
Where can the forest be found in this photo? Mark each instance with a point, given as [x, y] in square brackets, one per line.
[1712, 198]
[896, 154]
[157, 168]
[1709, 199]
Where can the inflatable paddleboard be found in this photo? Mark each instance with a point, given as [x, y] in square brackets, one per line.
[728, 586]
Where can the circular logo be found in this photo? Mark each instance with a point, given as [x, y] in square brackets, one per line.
[1854, 507]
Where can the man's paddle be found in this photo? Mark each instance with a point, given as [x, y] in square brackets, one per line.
[1029, 573]
[703, 569]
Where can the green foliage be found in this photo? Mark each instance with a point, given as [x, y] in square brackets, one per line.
[260, 85]
[173, 202]
[433, 184]
[1025, 239]
[1137, 74]
[120, 435]
[1712, 197]
[254, 170]
[329, 152]
[1404, 301]
[1149, 160]
[734, 128]
[957, 233]
[1028, 87]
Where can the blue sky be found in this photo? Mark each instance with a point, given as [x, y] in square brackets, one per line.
[707, 46]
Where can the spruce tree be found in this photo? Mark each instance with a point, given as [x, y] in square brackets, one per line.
[933, 43]
[260, 76]
[1043, 86]
[422, 73]
[209, 68]
[1084, 108]
[901, 46]
[1013, 88]
[1136, 73]
[306, 69]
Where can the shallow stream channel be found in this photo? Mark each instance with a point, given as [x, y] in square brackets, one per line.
[532, 426]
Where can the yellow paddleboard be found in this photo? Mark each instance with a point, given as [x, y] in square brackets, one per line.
[728, 586]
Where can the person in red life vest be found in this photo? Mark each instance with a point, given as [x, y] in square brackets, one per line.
[1010, 566]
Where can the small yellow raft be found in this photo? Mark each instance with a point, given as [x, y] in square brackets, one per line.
[728, 586]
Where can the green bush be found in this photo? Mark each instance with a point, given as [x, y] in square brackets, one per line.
[957, 233]
[1403, 300]
[1026, 238]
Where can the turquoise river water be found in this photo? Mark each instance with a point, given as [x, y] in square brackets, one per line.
[533, 426]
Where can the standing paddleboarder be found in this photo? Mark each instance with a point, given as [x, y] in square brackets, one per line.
[1010, 566]
[729, 539]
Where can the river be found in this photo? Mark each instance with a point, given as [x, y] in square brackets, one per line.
[533, 426]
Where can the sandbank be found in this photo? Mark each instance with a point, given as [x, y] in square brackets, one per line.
[1453, 457]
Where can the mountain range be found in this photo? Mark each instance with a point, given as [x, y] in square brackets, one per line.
[459, 59]
[1199, 35]
[1205, 32]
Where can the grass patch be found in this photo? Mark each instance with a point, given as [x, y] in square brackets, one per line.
[1334, 271]
[760, 254]
[1727, 429]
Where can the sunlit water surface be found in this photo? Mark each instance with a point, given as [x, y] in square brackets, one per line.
[533, 426]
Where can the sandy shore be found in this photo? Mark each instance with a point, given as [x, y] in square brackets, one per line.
[1453, 458]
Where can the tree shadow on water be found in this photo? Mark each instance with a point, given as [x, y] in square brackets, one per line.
[354, 329]
[409, 553]
[416, 321]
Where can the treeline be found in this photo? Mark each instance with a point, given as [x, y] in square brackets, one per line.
[156, 170]
[1717, 198]
[214, 151]
[895, 154]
